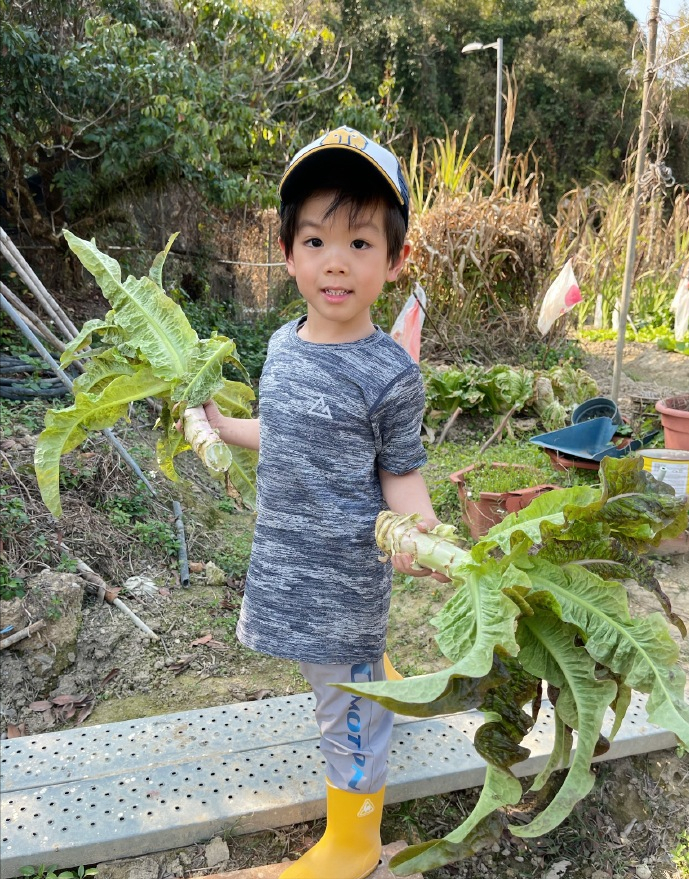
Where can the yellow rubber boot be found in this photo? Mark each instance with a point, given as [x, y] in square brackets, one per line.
[391, 673]
[350, 847]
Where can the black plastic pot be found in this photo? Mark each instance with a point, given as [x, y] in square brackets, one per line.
[597, 407]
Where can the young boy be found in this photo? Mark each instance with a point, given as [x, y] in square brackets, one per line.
[339, 439]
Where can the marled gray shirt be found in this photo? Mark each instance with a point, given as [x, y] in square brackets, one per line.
[330, 416]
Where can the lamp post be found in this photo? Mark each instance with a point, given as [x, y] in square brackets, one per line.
[476, 47]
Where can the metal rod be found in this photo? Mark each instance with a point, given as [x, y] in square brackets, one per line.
[32, 318]
[182, 551]
[498, 117]
[644, 125]
[67, 381]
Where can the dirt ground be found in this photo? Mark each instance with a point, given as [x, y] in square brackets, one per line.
[630, 825]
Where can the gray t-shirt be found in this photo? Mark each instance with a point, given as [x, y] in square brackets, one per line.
[330, 415]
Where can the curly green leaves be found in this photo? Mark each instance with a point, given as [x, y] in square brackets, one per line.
[527, 602]
[67, 428]
[640, 652]
[548, 651]
[146, 315]
[147, 339]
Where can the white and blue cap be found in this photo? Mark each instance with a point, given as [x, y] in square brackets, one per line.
[344, 152]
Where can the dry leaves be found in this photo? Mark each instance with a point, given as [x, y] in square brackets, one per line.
[65, 707]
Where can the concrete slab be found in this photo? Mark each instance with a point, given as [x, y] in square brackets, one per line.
[273, 871]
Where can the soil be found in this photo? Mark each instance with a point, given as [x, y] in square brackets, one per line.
[629, 825]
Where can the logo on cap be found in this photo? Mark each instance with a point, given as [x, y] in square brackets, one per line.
[345, 137]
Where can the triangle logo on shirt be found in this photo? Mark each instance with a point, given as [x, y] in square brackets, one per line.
[320, 408]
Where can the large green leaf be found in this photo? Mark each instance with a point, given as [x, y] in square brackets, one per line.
[550, 508]
[73, 350]
[634, 506]
[101, 370]
[479, 618]
[549, 651]
[67, 428]
[641, 652]
[498, 742]
[443, 692]
[204, 378]
[153, 321]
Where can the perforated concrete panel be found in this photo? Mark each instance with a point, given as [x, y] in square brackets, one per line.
[124, 789]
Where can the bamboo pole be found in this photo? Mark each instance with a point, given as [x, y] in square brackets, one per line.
[644, 126]
[14, 315]
[29, 277]
[95, 583]
[22, 633]
[32, 319]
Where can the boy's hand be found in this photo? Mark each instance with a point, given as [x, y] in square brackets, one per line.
[212, 413]
[404, 561]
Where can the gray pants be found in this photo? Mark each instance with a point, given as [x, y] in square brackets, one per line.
[355, 732]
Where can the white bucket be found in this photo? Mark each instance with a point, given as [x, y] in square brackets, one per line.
[670, 466]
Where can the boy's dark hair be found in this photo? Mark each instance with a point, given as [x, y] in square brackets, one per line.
[354, 186]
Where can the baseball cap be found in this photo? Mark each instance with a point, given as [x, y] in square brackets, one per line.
[349, 152]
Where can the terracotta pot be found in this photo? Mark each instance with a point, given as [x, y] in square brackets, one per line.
[491, 507]
[674, 416]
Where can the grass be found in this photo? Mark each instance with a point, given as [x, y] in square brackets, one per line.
[450, 457]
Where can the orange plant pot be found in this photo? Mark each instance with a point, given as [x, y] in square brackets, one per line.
[674, 416]
[491, 507]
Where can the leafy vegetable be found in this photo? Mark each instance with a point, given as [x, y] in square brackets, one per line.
[538, 599]
[148, 349]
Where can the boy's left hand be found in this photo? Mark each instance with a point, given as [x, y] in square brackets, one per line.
[404, 561]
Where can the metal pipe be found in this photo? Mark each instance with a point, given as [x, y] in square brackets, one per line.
[644, 125]
[498, 117]
[182, 551]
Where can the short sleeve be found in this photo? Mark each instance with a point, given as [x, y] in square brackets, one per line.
[396, 419]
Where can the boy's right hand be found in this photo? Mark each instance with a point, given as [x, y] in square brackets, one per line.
[210, 410]
[212, 414]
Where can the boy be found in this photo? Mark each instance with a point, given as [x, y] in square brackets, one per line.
[339, 439]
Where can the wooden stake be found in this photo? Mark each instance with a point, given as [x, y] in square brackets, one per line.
[22, 633]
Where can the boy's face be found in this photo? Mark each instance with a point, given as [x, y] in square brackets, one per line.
[340, 268]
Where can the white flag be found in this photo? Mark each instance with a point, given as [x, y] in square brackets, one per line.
[563, 294]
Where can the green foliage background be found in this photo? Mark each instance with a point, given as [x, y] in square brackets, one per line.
[106, 96]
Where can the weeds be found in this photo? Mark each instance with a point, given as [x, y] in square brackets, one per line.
[680, 854]
[10, 587]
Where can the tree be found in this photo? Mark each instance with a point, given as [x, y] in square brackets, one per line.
[105, 96]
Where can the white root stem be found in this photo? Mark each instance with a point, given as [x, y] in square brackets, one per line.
[205, 441]
[435, 549]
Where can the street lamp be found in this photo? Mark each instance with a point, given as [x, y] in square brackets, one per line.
[476, 47]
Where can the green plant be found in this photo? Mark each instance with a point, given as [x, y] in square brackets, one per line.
[235, 560]
[149, 350]
[43, 872]
[13, 515]
[680, 854]
[485, 477]
[157, 534]
[10, 587]
[122, 509]
[27, 413]
[67, 564]
[539, 599]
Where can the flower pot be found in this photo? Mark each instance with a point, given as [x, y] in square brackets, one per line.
[480, 514]
[674, 416]
[597, 407]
